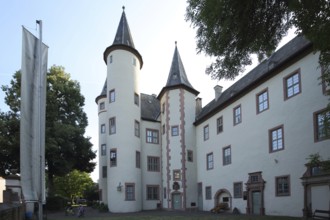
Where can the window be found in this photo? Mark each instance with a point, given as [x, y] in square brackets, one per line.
[237, 115]
[292, 84]
[163, 129]
[137, 128]
[102, 106]
[110, 59]
[153, 164]
[134, 61]
[276, 139]
[112, 125]
[176, 175]
[206, 132]
[322, 125]
[219, 125]
[208, 192]
[238, 190]
[113, 158]
[209, 161]
[103, 149]
[136, 99]
[102, 128]
[262, 101]
[152, 136]
[112, 96]
[282, 186]
[104, 171]
[175, 130]
[226, 152]
[138, 159]
[152, 192]
[190, 156]
[164, 191]
[163, 108]
[129, 191]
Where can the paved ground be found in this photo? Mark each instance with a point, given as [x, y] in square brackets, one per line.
[89, 212]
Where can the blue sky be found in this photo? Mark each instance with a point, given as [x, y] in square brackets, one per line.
[78, 31]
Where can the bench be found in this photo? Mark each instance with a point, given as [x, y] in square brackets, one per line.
[321, 214]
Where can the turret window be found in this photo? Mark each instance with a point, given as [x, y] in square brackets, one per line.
[112, 125]
[137, 128]
[113, 158]
[103, 149]
[112, 95]
[110, 59]
[134, 61]
[102, 106]
[136, 99]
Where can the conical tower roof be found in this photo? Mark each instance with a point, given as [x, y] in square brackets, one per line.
[177, 76]
[123, 40]
[123, 35]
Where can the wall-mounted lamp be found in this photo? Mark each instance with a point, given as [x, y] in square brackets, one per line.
[119, 187]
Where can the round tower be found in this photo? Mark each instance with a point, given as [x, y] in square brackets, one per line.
[122, 121]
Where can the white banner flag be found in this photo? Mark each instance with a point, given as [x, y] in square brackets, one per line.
[33, 112]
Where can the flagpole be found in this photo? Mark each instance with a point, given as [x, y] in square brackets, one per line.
[40, 199]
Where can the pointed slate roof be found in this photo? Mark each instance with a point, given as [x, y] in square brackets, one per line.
[103, 92]
[123, 40]
[177, 76]
[123, 35]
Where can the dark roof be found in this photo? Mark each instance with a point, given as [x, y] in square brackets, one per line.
[177, 76]
[123, 35]
[103, 92]
[123, 40]
[150, 107]
[263, 71]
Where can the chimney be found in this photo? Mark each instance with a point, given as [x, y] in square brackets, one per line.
[217, 91]
[198, 105]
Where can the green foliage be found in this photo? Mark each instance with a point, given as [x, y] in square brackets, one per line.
[66, 146]
[73, 184]
[315, 160]
[232, 30]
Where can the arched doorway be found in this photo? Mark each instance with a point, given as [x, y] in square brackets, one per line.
[223, 196]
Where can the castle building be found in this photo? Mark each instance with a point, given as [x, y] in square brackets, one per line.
[246, 149]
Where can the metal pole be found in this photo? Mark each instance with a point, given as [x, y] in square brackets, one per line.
[40, 211]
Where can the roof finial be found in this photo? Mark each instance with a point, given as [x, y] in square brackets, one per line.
[123, 8]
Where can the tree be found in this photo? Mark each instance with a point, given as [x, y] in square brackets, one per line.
[232, 30]
[73, 184]
[66, 146]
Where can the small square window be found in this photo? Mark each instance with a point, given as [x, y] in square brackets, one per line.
[283, 186]
[129, 191]
[175, 130]
[153, 193]
[152, 136]
[153, 164]
[176, 175]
